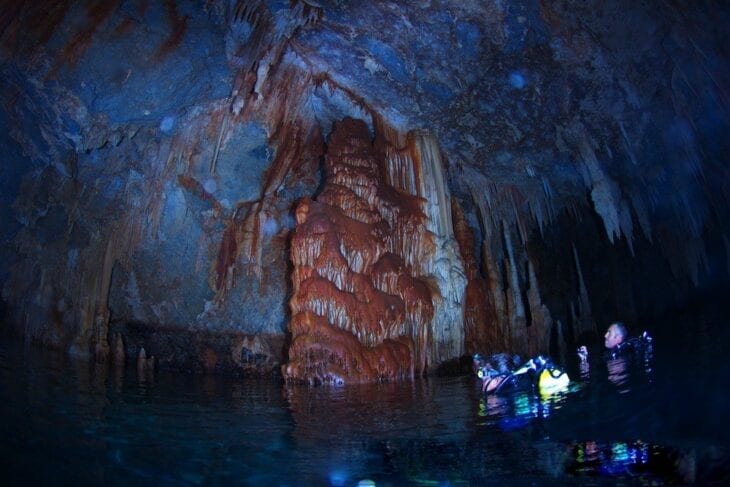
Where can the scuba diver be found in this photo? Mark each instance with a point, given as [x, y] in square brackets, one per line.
[540, 371]
[495, 370]
[619, 354]
[618, 344]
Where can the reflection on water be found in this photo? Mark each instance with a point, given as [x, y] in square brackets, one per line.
[638, 359]
[518, 408]
[633, 459]
[75, 422]
[618, 372]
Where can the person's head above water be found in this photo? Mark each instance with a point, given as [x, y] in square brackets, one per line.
[615, 335]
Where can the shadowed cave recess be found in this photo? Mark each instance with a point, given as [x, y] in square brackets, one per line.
[358, 191]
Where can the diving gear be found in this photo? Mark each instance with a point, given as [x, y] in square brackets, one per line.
[494, 370]
[535, 364]
[552, 381]
[640, 344]
[494, 383]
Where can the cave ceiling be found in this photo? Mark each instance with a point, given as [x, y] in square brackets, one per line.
[552, 98]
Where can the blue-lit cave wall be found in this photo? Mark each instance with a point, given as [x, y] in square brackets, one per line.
[154, 152]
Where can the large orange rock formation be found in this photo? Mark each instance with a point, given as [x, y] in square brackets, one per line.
[359, 311]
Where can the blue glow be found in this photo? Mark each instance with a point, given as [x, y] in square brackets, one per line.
[338, 478]
[167, 124]
[517, 80]
[620, 452]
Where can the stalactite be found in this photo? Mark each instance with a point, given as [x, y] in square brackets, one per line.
[216, 151]
[388, 136]
[92, 292]
[575, 322]
[155, 187]
[517, 316]
[517, 211]
[561, 342]
[628, 144]
[243, 241]
[542, 323]
[429, 169]
[642, 213]
[627, 227]
[84, 280]
[101, 319]
[272, 90]
[81, 345]
[605, 193]
[400, 170]
[584, 321]
[686, 256]
[493, 274]
[444, 264]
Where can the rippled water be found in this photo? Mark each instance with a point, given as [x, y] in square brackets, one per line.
[73, 422]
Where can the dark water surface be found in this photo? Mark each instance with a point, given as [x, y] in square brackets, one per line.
[70, 422]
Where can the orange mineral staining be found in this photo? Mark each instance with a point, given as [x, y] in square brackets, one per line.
[359, 311]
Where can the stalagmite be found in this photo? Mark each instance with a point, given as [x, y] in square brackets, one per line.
[145, 365]
[119, 354]
[480, 320]
[360, 313]
[444, 265]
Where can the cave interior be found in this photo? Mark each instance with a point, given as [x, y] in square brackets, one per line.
[358, 191]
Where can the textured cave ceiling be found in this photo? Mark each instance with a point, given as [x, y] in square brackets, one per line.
[613, 111]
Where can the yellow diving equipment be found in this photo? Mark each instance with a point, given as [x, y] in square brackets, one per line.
[553, 380]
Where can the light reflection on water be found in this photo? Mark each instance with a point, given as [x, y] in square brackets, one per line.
[66, 421]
